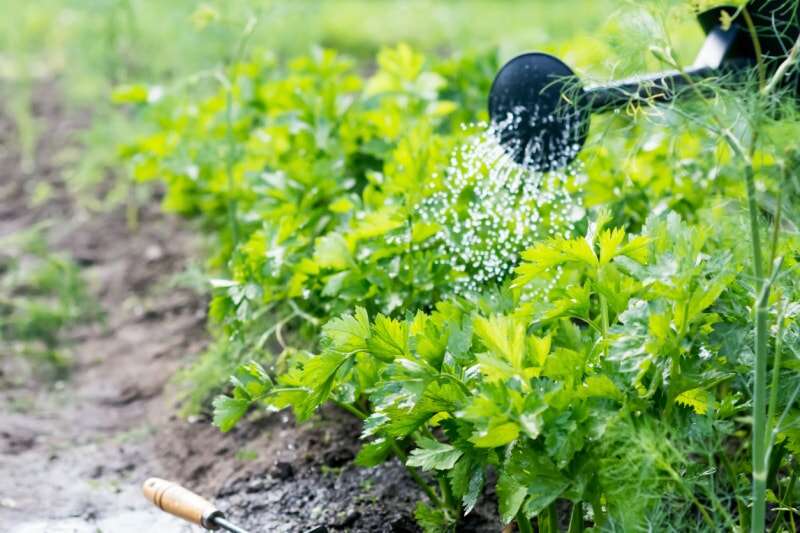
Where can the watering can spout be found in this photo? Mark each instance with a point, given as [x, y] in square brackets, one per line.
[541, 111]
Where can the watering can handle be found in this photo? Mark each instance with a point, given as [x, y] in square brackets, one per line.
[183, 503]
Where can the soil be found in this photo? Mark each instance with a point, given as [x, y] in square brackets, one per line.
[74, 453]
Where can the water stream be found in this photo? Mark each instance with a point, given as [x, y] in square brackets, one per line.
[490, 208]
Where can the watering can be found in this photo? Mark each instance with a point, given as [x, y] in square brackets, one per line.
[541, 111]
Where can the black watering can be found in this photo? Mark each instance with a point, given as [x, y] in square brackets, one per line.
[541, 111]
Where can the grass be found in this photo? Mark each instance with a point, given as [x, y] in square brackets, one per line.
[42, 295]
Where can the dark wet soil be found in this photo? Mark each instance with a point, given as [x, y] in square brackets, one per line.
[73, 454]
[316, 483]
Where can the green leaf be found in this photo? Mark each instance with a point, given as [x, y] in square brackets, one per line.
[433, 520]
[698, 399]
[536, 472]
[493, 368]
[348, 333]
[331, 251]
[459, 476]
[389, 339]
[374, 453]
[251, 380]
[466, 481]
[504, 336]
[564, 365]
[460, 339]
[495, 435]
[552, 253]
[792, 439]
[433, 455]
[510, 495]
[609, 244]
[436, 398]
[228, 411]
[600, 386]
[251, 383]
[376, 224]
[319, 374]
[636, 249]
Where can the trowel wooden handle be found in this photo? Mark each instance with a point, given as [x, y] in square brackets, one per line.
[183, 503]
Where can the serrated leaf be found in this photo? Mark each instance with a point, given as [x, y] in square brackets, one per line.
[600, 386]
[697, 399]
[389, 339]
[610, 241]
[792, 439]
[283, 397]
[564, 365]
[702, 298]
[466, 480]
[536, 472]
[432, 520]
[374, 453]
[495, 435]
[433, 455]
[251, 381]
[504, 336]
[228, 411]
[459, 340]
[319, 374]
[539, 348]
[436, 398]
[373, 424]
[348, 333]
[551, 253]
[636, 249]
[459, 476]
[510, 495]
[376, 223]
[493, 368]
[474, 490]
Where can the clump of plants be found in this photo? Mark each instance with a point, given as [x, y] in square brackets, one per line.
[42, 296]
[636, 369]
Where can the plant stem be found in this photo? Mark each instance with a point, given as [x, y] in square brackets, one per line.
[604, 322]
[789, 490]
[576, 518]
[229, 162]
[783, 68]
[689, 494]
[447, 494]
[524, 523]
[415, 475]
[760, 380]
[400, 455]
[776, 371]
[740, 505]
[751, 29]
[776, 229]
[548, 519]
[352, 409]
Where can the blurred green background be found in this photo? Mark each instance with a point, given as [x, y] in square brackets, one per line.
[95, 43]
[89, 47]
